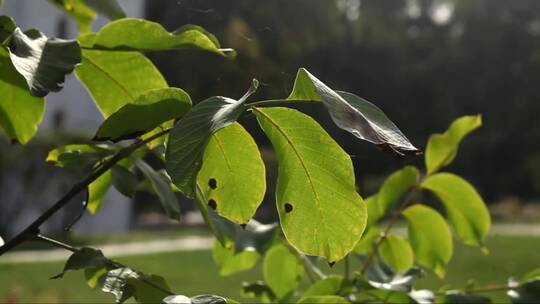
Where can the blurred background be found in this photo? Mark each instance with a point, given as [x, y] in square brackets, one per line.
[424, 62]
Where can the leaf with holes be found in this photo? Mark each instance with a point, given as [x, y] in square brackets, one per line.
[353, 114]
[44, 62]
[144, 35]
[430, 238]
[319, 209]
[231, 262]
[397, 252]
[282, 270]
[20, 112]
[115, 79]
[147, 112]
[161, 188]
[76, 9]
[442, 148]
[466, 210]
[190, 136]
[393, 188]
[233, 174]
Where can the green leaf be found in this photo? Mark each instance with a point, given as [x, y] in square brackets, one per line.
[115, 79]
[330, 285]
[77, 155]
[162, 188]
[44, 62]
[282, 270]
[365, 244]
[76, 9]
[233, 175]
[531, 275]
[258, 290]
[466, 210]
[189, 137]
[94, 275]
[145, 290]
[82, 259]
[123, 180]
[7, 26]
[430, 238]
[20, 112]
[353, 114]
[147, 112]
[97, 190]
[323, 300]
[397, 252]
[442, 148]
[144, 35]
[320, 211]
[108, 8]
[230, 262]
[393, 189]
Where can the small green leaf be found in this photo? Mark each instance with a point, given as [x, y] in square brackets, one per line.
[330, 285]
[7, 26]
[466, 210]
[365, 244]
[353, 114]
[393, 188]
[442, 148]
[320, 211]
[97, 190]
[430, 238]
[233, 174]
[44, 62]
[82, 259]
[531, 275]
[282, 270]
[77, 155]
[108, 8]
[323, 300]
[258, 290]
[115, 79]
[123, 180]
[230, 262]
[189, 137]
[76, 9]
[162, 188]
[144, 35]
[147, 112]
[94, 275]
[397, 252]
[145, 290]
[20, 112]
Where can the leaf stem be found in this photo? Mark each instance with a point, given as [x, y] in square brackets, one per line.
[33, 228]
[42, 238]
[277, 102]
[408, 198]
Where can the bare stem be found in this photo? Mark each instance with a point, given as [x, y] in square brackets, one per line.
[33, 228]
[393, 220]
[55, 243]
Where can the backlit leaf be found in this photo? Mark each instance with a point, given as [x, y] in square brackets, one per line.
[44, 62]
[466, 210]
[323, 300]
[320, 211]
[232, 175]
[365, 244]
[147, 112]
[442, 148]
[77, 155]
[76, 9]
[190, 136]
[353, 114]
[282, 270]
[230, 262]
[20, 112]
[144, 35]
[330, 285]
[397, 252]
[115, 79]
[430, 238]
[97, 190]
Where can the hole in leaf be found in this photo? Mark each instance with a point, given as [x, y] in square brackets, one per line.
[288, 207]
[331, 264]
[243, 226]
[212, 203]
[212, 183]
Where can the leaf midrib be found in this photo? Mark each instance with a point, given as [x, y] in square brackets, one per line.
[124, 89]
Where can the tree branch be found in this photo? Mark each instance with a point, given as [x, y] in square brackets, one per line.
[33, 228]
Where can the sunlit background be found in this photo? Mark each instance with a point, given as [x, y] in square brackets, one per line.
[424, 62]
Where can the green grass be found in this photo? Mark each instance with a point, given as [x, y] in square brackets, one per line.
[194, 273]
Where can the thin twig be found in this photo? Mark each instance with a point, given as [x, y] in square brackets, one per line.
[33, 228]
[55, 243]
[278, 102]
[393, 220]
